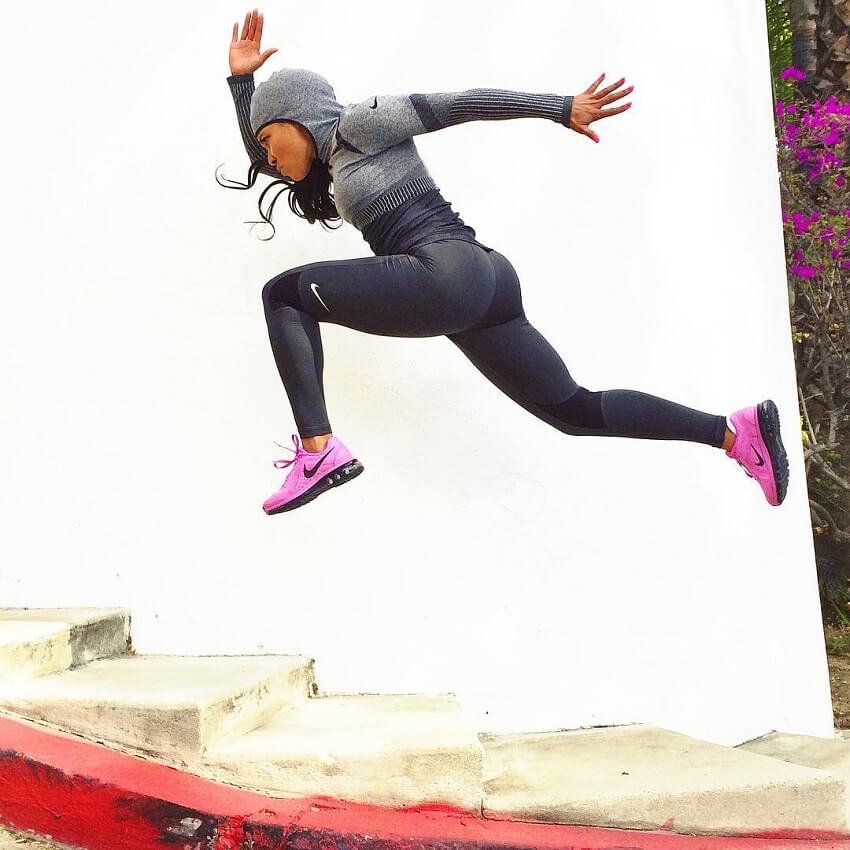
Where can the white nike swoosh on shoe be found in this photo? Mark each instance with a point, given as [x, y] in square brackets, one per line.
[316, 293]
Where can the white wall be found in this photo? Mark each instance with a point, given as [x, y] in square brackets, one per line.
[549, 581]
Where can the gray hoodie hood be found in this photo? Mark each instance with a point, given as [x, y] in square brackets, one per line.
[296, 94]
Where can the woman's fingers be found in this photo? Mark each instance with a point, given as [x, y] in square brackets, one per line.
[235, 32]
[594, 84]
[604, 113]
[586, 131]
[616, 96]
[609, 89]
[252, 28]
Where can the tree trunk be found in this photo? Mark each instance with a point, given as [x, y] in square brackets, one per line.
[821, 47]
[834, 48]
[804, 52]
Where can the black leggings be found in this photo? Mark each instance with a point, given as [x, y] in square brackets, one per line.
[472, 296]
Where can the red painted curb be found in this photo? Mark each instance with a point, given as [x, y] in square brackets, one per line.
[90, 796]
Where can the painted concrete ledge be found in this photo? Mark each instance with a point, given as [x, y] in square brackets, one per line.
[39, 641]
[383, 749]
[642, 777]
[161, 705]
[86, 795]
[807, 750]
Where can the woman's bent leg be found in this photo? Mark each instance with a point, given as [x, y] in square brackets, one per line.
[442, 288]
[515, 357]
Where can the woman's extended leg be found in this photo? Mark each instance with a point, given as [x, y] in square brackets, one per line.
[520, 362]
[515, 357]
[509, 351]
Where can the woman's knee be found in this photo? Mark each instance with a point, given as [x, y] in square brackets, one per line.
[582, 409]
[282, 291]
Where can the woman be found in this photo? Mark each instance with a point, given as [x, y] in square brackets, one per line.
[430, 276]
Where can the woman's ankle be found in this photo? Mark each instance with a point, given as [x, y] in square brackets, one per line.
[315, 444]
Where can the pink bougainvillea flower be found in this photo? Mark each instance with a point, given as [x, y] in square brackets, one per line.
[803, 271]
[801, 223]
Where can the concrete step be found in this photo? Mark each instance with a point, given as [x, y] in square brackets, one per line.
[644, 777]
[39, 641]
[385, 749]
[170, 707]
[829, 754]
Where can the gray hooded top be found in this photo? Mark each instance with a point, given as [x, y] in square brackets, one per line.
[296, 94]
[380, 183]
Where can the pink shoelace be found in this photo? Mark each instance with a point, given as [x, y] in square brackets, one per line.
[299, 450]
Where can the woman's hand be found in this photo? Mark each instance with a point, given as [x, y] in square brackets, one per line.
[245, 56]
[586, 106]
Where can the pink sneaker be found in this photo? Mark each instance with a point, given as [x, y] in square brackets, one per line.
[758, 448]
[312, 473]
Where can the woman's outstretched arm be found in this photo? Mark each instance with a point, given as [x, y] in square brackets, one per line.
[385, 120]
[382, 121]
[245, 58]
[242, 87]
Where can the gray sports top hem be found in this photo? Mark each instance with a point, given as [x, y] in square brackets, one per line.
[390, 200]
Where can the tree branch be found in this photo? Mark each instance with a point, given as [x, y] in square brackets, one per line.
[820, 509]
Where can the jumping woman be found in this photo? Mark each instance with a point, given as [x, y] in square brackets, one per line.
[430, 276]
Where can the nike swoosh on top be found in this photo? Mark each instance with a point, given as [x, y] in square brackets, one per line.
[760, 458]
[309, 473]
[375, 104]
[314, 286]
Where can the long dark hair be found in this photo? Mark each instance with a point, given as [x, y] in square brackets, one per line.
[310, 198]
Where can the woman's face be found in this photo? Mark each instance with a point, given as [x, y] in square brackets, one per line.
[290, 148]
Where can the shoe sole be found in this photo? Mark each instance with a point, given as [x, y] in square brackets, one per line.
[768, 417]
[341, 475]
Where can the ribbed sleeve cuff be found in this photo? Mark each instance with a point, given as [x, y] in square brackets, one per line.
[239, 78]
[567, 110]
